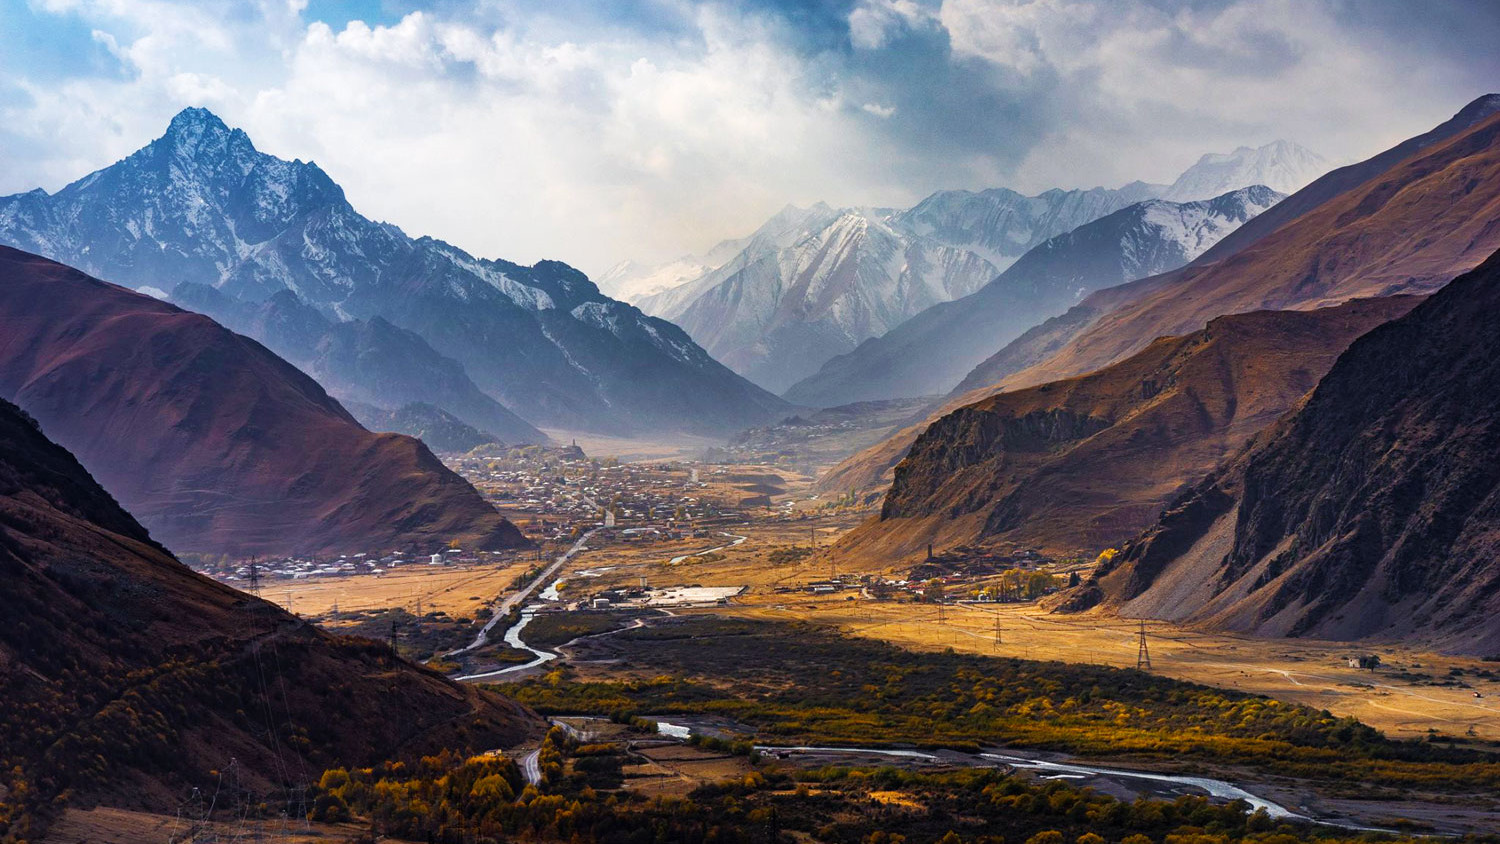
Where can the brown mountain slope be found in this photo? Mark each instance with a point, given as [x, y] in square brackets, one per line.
[1373, 511]
[1410, 230]
[1086, 463]
[871, 471]
[1407, 219]
[215, 443]
[128, 679]
[1336, 183]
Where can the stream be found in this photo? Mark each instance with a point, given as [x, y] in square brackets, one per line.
[685, 728]
[513, 638]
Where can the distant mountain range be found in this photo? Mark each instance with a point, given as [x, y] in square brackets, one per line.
[930, 353]
[220, 446]
[1409, 228]
[201, 205]
[439, 429]
[774, 318]
[1404, 221]
[814, 283]
[1372, 512]
[132, 680]
[365, 362]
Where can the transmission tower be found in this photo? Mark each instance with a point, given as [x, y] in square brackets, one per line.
[997, 628]
[254, 577]
[1143, 655]
[394, 652]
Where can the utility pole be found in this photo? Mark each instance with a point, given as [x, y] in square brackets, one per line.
[1143, 655]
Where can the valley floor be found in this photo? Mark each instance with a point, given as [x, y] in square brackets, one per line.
[1413, 692]
[768, 567]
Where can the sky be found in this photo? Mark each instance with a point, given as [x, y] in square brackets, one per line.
[594, 131]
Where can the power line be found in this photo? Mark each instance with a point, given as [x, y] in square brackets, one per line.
[1143, 654]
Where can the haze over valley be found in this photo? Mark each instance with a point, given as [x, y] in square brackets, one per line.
[854, 422]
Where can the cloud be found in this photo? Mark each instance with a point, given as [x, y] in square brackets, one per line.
[593, 131]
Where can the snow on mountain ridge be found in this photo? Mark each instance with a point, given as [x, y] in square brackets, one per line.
[814, 283]
[933, 351]
[1280, 165]
[201, 204]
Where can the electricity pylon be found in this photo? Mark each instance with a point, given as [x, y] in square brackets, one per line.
[1143, 654]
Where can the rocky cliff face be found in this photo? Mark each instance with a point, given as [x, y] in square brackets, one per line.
[218, 445]
[1086, 463]
[201, 204]
[130, 680]
[1374, 511]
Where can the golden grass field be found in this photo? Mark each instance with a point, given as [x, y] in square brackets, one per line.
[456, 590]
[1304, 671]
[677, 769]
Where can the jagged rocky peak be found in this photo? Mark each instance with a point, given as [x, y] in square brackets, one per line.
[193, 126]
[200, 204]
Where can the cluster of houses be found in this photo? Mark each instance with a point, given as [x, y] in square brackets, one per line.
[246, 573]
[985, 577]
[563, 492]
[962, 564]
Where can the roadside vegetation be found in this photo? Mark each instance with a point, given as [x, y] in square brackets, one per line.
[548, 630]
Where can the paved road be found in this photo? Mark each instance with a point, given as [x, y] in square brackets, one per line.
[734, 536]
[531, 767]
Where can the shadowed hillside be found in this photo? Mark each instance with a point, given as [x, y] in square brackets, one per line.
[1374, 511]
[1085, 463]
[216, 444]
[130, 680]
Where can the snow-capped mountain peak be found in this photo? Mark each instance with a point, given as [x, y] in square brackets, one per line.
[200, 204]
[1280, 165]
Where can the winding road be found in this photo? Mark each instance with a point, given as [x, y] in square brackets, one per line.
[737, 541]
